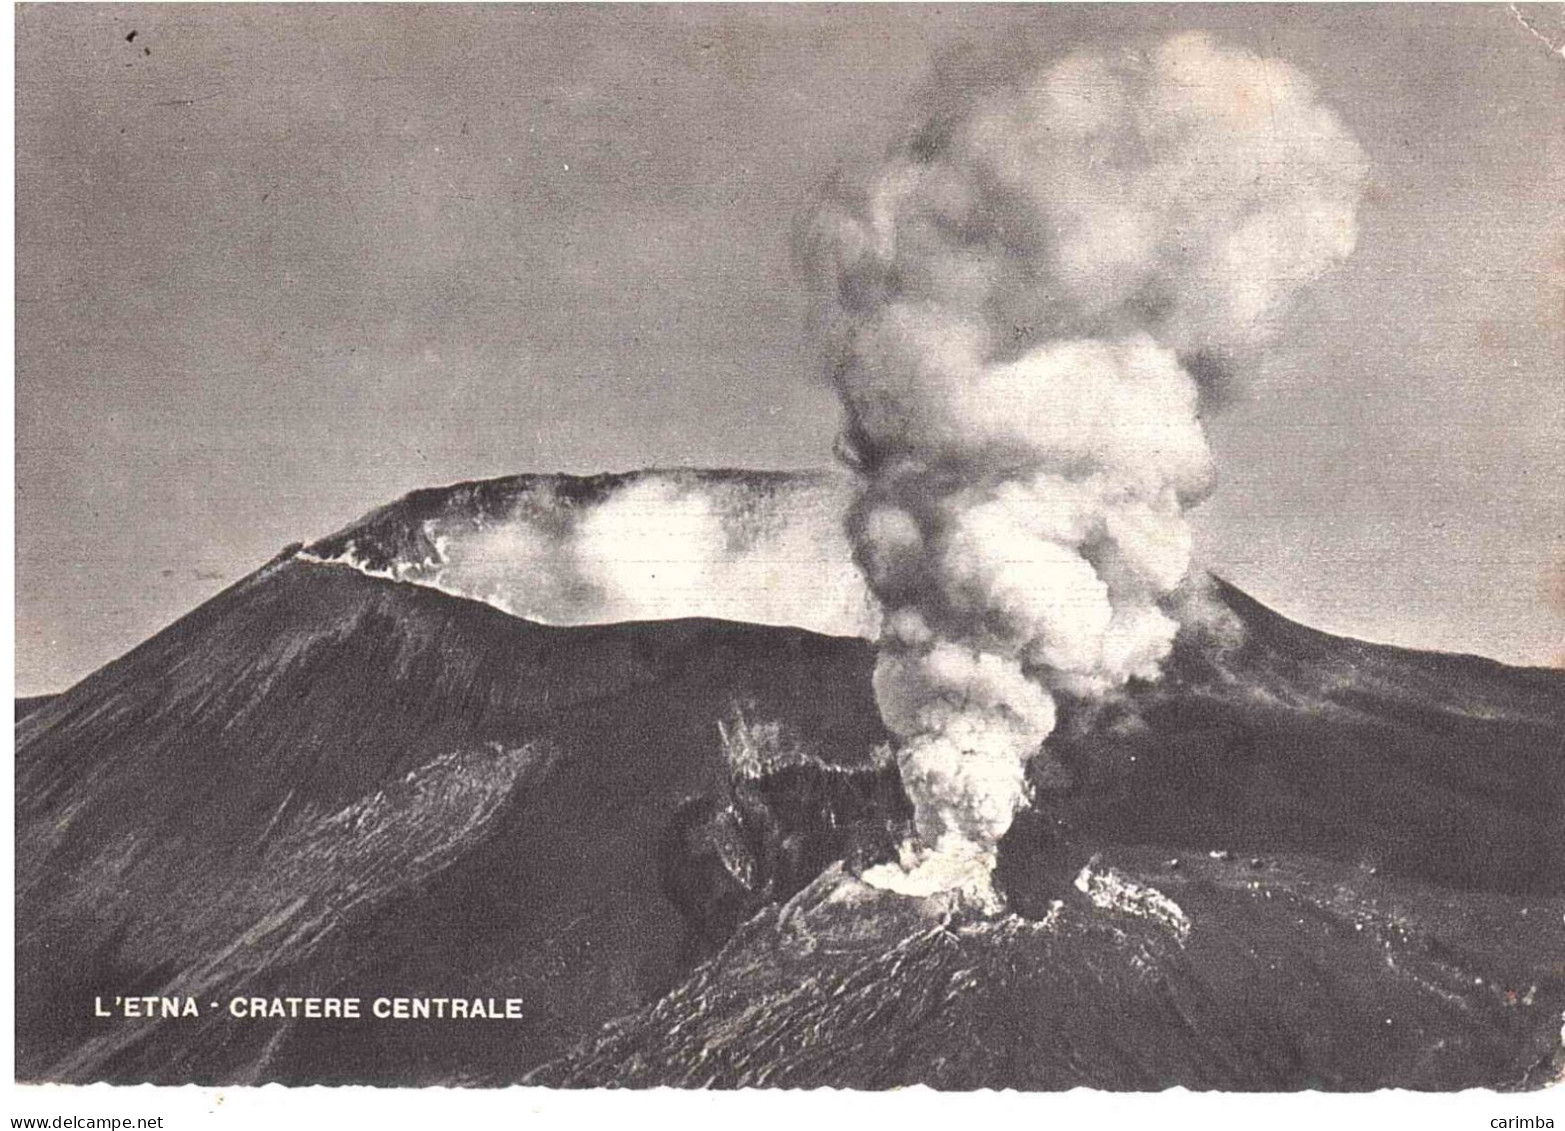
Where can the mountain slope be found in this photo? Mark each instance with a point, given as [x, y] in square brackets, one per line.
[319, 779]
[1216, 975]
[1265, 735]
[1296, 862]
[325, 782]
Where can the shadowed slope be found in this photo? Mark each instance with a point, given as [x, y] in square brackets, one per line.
[1296, 862]
[320, 779]
[321, 782]
[1215, 976]
[1446, 769]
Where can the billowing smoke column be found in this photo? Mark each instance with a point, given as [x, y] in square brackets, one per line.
[1018, 303]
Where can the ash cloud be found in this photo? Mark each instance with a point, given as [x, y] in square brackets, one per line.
[1026, 307]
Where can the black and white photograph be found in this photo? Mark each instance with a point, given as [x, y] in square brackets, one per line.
[756, 547]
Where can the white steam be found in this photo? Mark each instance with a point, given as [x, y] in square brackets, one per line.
[653, 546]
[1018, 302]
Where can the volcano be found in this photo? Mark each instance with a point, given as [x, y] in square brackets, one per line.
[1295, 861]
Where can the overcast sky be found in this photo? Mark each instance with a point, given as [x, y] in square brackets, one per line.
[278, 266]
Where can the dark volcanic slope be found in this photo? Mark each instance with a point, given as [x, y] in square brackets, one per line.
[1448, 769]
[27, 704]
[1297, 862]
[1215, 975]
[321, 782]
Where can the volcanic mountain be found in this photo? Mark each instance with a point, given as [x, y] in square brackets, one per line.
[1296, 861]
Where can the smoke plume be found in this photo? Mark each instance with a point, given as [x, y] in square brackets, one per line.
[1022, 305]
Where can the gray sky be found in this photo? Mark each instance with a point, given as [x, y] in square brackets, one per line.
[278, 266]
